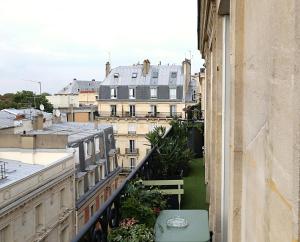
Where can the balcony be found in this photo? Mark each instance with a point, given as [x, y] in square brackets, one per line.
[129, 151]
[126, 114]
[109, 215]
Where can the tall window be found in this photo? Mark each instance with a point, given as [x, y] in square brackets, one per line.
[113, 93]
[131, 93]
[132, 163]
[153, 110]
[64, 236]
[131, 110]
[62, 197]
[39, 217]
[131, 145]
[5, 234]
[153, 92]
[113, 110]
[92, 210]
[172, 110]
[172, 93]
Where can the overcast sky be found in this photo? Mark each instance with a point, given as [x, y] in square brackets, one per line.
[54, 41]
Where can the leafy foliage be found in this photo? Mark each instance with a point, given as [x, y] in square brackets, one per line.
[24, 99]
[173, 152]
[136, 233]
[141, 203]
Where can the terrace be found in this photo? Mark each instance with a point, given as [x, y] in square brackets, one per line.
[107, 219]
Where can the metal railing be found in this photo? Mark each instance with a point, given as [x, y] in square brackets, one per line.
[130, 151]
[108, 215]
[126, 114]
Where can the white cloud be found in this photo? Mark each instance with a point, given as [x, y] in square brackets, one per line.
[55, 40]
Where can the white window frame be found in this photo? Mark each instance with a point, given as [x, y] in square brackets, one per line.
[173, 93]
[173, 110]
[113, 93]
[132, 161]
[134, 75]
[132, 110]
[153, 92]
[132, 93]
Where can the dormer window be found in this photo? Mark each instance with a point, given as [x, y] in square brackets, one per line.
[173, 74]
[113, 93]
[131, 93]
[116, 75]
[155, 74]
[134, 75]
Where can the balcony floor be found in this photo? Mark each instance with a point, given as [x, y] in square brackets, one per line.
[194, 187]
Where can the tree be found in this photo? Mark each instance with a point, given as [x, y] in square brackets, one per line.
[25, 99]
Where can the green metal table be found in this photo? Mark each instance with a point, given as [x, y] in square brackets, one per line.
[196, 231]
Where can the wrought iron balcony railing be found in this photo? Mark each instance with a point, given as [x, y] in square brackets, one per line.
[108, 214]
[127, 114]
[130, 151]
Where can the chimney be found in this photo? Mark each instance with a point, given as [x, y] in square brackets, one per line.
[186, 66]
[38, 122]
[107, 69]
[146, 67]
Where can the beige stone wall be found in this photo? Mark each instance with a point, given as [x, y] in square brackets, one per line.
[122, 137]
[18, 213]
[63, 101]
[87, 98]
[140, 107]
[82, 117]
[264, 120]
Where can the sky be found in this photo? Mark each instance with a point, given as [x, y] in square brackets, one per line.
[54, 41]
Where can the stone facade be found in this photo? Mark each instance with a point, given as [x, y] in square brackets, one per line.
[252, 131]
[37, 195]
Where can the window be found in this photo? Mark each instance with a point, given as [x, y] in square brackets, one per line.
[64, 236]
[153, 110]
[131, 145]
[5, 234]
[80, 189]
[97, 145]
[131, 128]
[172, 93]
[134, 75]
[101, 172]
[113, 110]
[194, 95]
[92, 210]
[132, 163]
[116, 75]
[172, 110]
[89, 146]
[131, 93]
[131, 110]
[153, 92]
[39, 216]
[62, 197]
[173, 74]
[113, 93]
[155, 74]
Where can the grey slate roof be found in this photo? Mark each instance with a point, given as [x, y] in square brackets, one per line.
[125, 76]
[8, 116]
[75, 131]
[76, 86]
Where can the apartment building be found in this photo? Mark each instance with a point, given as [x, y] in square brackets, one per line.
[97, 172]
[252, 117]
[134, 99]
[78, 100]
[37, 200]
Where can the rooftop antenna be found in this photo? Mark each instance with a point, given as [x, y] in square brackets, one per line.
[109, 56]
